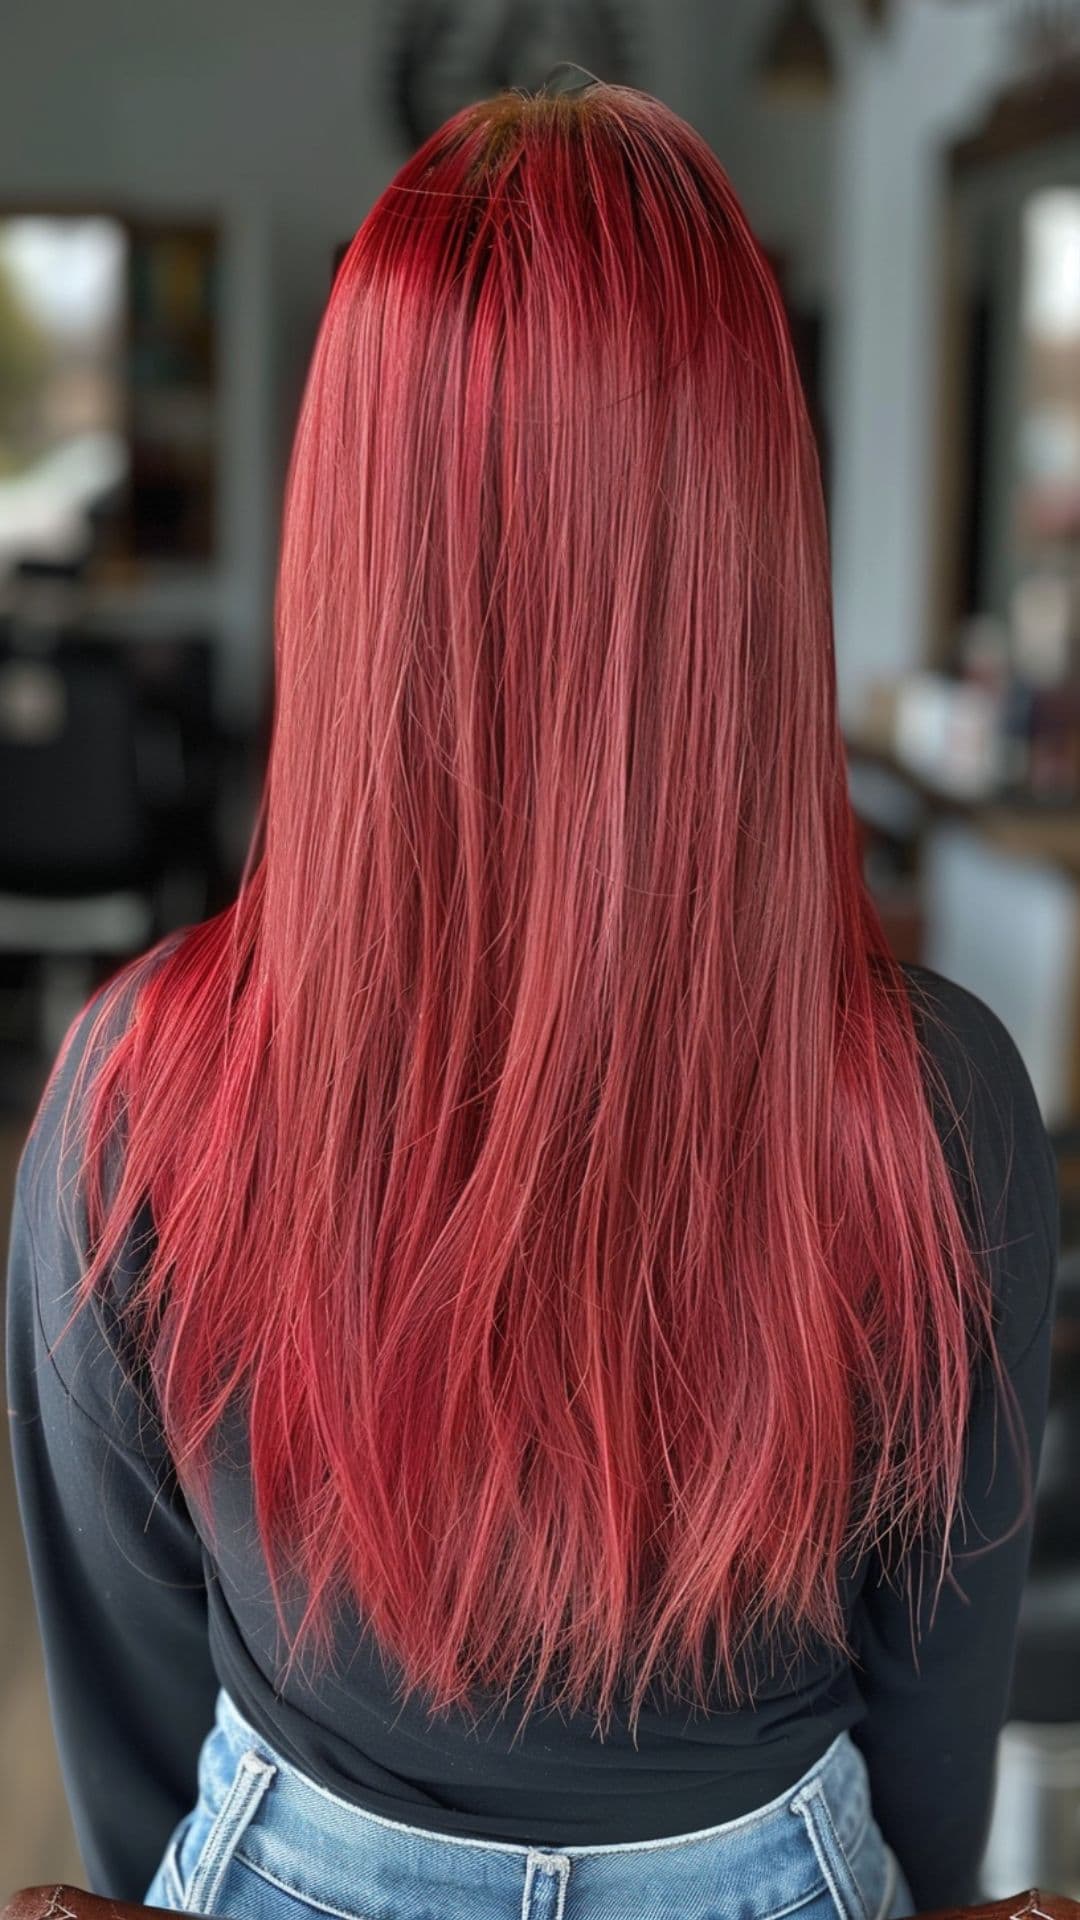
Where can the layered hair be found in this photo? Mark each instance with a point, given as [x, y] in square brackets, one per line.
[539, 1147]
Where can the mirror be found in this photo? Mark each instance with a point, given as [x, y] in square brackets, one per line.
[1007, 508]
[109, 387]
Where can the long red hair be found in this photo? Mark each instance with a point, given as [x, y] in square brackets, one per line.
[539, 1144]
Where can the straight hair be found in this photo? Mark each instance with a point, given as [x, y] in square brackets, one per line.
[539, 1147]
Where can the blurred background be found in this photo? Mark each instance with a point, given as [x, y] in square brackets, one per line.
[176, 187]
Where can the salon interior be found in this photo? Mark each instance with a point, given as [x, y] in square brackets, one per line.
[913, 168]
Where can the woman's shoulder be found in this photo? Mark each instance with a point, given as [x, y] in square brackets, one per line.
[968, 1048]
[996, 1143]
[87, 1042]
[963, 1033]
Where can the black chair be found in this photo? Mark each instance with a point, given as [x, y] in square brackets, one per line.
[77, 854]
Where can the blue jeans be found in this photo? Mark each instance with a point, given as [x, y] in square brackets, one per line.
[263, 1842]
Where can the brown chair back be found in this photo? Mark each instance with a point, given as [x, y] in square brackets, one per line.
[73, 1903]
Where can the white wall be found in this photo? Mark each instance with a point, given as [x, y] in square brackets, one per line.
[908, 95]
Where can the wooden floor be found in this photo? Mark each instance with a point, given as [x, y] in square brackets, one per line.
[36, 1840]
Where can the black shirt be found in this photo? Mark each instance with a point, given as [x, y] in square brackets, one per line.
[140, 1624]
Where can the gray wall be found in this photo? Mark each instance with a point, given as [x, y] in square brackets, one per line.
[263, 114]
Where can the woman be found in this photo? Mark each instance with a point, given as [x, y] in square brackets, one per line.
[528, 1334]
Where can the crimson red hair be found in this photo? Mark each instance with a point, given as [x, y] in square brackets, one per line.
[540, 1143]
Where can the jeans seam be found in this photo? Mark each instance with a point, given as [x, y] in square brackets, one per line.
[171, 1881]
[171, 1877]
[296, 1893]
[892, 1875]
[851, 1847]
[816, 1814]
[804, 1900]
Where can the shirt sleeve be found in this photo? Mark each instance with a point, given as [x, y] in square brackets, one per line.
[116, 1565]
[934, 1712]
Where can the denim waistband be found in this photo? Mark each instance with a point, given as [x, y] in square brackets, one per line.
[338, 1856]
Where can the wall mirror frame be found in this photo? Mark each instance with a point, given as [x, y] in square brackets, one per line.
[110, 339]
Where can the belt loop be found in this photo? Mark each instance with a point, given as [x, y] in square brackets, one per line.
[547, 1876]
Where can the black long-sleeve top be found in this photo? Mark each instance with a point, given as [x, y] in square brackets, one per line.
[140, 1624]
